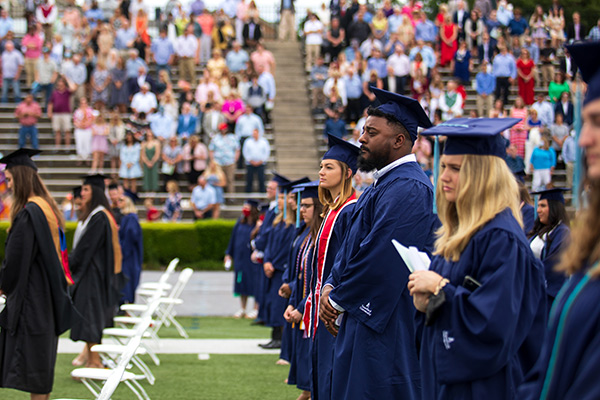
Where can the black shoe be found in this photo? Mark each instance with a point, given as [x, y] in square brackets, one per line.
[264, 346]
[257, 322]
[274, 344]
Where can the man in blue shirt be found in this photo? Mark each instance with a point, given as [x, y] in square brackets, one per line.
[426, 52]
[354, 89]
[125, 36]
[133, 64]
[6, 24]
[518, 25]
[204, 198]
[318, 75]
[425, 29]
[246, 124]
[162, 52]
[256, 151]
[335, 126]
[237, 58]
[486, 85]
[505, 71]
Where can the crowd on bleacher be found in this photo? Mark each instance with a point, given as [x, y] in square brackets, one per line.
[107, 81]
[352, 48]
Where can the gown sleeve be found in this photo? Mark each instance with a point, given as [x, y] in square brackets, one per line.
[19, 252]
[92, 239]
[477, 333]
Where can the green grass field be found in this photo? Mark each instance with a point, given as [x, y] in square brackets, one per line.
[183, 377]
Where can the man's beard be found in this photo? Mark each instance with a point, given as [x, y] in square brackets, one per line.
[377, 160]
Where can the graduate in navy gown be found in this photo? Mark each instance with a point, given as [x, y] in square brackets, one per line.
[549, 237]
[132, 245]
[482, 300]
[259, 242]
[375, 355]
[338, 198]
[570, 360]
[301, 270]
[527, 211]
[238, 253]
[277, 251]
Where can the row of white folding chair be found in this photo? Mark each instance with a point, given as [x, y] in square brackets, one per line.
[147, 289]
[165, 313]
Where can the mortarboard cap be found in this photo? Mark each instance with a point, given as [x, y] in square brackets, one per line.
[252, 202]
[343, 151]
[95, 180]
[20, 157]
[406, 110]
[76, 191]
[587, 58]
[479, 136]
[133, 196]
[555, 194]
[290, 185]
[309, 190]
[264, 207]
[280, 179]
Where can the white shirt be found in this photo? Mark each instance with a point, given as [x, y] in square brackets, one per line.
[143, 102]
[381, 172]
[186, 46]
[311, 26]
[400, 63]
[256, 150]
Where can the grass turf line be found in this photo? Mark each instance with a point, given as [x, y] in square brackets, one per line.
[184, 377]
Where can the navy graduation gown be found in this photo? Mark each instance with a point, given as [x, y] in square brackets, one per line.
[132, 248]
[286, 340]
[322, 343]
[244, 270]
[260, 243]
[574, 373]
[299, 373]
[483, 342]
[277, 251]
[550, 257]
[528, 214]
[375, 356]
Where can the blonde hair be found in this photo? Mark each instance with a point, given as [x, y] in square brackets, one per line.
[329, 203]
[290, 217]
[128, 207]
[584, 247]
[486, 188]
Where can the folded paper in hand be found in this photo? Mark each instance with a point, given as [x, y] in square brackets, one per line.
[414, 259]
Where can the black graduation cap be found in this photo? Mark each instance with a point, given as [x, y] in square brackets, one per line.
[406, 110]
[252, 202]
[288, 187]
[343, 151]
[133, 196]
[555, 194]
[479, 136]
[76, 192]
[309, 190]
[20, 157]
[586, 56]
[264, 207]
[95, 180]
[280, 179]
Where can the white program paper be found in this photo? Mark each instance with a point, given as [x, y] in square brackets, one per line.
[414, 259]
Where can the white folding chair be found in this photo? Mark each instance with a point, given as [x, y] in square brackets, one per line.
[149, 289]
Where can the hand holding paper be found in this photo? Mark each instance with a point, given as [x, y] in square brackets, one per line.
[414, 259]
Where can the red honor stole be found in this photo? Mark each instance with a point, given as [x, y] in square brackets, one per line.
[311, 317]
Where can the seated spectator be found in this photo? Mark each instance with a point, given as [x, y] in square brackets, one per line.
[172, 157]
[130, 169]
[451, 102]
[195, 156]
[203, 200]
[211, 120]
[565, 108]
[485, 86]
[215, 177]
[256, 151]
[152, 213]
[144, 101]
[172, 210]
[12, 65]
[232, 109]
[188, 122]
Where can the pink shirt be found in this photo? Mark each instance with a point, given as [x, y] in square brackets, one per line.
[265, 59]
[33, 111]
[207, 23]
[36, 42]
[83, 119]
[203, 90]
[232, 106]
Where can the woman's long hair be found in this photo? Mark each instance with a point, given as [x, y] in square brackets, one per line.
[557, 213]
[290, 217]
[98, 199]
[27, 183]
[328, 202]
[487, 187]
[317, 219]
[253, 217]
[584, 247]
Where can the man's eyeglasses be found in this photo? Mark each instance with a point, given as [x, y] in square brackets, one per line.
[306, 205]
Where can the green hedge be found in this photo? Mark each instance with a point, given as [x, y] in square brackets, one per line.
[200, 245]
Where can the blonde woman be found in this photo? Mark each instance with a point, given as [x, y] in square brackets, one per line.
[483, 297]
[100, 132]
[216, 178]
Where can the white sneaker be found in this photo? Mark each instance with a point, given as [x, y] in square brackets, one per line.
[252, 314]
[239, 313]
